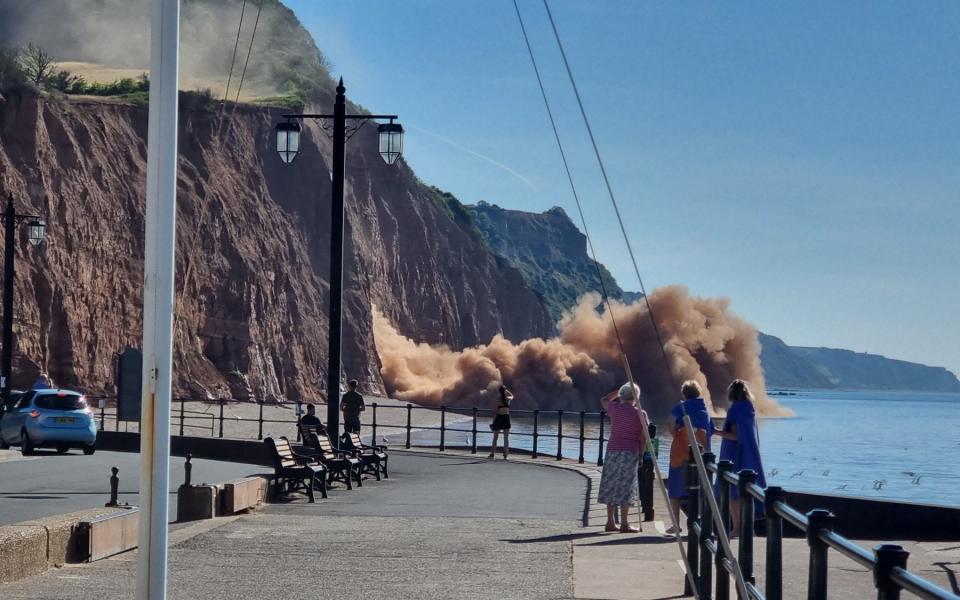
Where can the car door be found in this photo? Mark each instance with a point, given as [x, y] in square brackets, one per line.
[17, 417]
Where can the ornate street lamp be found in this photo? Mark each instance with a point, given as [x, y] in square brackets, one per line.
[288, 140]
[391, 141]
[288, 146]
[36, 231]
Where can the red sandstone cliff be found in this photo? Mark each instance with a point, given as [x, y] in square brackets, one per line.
[252, 253]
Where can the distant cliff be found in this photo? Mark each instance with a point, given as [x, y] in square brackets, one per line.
[551, 253]
[548, 249]
[825, 368]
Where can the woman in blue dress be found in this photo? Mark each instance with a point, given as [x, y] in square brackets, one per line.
[741, 442]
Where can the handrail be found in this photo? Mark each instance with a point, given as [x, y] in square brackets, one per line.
[887, 562]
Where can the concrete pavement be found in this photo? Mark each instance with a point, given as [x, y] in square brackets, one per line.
[50, 484]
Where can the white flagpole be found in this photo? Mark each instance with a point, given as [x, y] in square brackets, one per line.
[158, 300]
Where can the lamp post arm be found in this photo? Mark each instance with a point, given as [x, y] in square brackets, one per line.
[354, 117]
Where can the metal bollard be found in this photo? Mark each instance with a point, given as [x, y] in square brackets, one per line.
[409, 412]
[187, 471]
[774, 566]
[559, 435]
[706, 532]
[746, 524]
[473, 445]
[443, 427]
[818, 520]
[536, 423]
[600, 450]
[114, 487]
[693, 516]
[582, 416]
[888, 557]
[723, 577]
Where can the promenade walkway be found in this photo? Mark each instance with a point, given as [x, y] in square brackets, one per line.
[443, 526]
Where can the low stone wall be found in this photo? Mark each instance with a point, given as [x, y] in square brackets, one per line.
[31, 547]
[230, 450]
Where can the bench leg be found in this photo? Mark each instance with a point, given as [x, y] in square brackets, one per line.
[383, 464]
[310, 489]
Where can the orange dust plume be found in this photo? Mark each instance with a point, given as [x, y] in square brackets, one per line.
[703, 339]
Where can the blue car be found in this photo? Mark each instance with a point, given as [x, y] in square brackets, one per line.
[49, 418]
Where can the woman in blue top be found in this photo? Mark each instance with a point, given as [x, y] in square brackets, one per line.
[741, 442]
[695, 407]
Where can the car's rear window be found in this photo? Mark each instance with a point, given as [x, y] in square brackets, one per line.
[56, 402]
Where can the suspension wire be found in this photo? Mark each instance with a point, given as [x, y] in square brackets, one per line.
[243, 74]
[606, 300]
[233, 61]
[720, 528]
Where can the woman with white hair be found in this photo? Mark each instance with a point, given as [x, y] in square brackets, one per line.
[628, 433]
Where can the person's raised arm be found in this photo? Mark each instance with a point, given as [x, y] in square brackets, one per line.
[605, 401]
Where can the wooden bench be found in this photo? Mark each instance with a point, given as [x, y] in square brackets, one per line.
[374, 457]
[341, 466]
[293, 471]
[306, 430]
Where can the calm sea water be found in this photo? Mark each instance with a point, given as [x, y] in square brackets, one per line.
[890, 445]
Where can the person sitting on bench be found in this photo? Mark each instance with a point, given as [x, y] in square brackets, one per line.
[312, 419]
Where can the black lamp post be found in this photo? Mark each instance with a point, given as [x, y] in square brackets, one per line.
[288, 146]
[36, 230]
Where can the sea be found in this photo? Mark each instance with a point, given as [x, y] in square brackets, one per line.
[889, 445]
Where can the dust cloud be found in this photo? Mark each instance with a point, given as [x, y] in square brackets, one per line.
[704, 341]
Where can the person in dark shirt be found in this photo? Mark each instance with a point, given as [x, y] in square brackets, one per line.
[311, 418]
[352, 405]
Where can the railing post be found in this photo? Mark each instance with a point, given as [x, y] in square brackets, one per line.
[260, 421]
[409, 414]
[221, 417]
[103, 414]
[888, 557]
[182, 402]
[818, 520]
[646, 478]
[693, 515]
[774, 526]
[536, 425]
[473, 444]
[559, 435]
[443, 427]
[583, 415]
[723, 577]
[373, 426]
[600, 449]
[706, 532]
[747, 514]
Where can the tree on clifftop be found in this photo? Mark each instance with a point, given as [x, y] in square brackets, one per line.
[37, 64]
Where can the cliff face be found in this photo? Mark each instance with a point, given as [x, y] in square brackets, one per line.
[550, 252]
[252, 253]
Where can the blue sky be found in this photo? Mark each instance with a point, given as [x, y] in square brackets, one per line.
[799, 158]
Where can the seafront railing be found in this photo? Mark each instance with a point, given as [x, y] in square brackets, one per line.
[555, 427]
[887, 562]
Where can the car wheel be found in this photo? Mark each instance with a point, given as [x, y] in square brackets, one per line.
[26, 446]
[62, 449]
[89, 449]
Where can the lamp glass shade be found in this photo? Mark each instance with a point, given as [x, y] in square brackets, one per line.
[288, 140]
[36, 231]
[391, 141]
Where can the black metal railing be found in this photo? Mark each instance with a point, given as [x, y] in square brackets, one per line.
[552, 426]
[713, 570]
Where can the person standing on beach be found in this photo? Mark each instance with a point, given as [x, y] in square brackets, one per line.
[501, 422]
[696, 408]
[351, 405]
[741, 443]
[628, 433]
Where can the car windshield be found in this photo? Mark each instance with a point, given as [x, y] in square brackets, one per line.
[58, 402]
